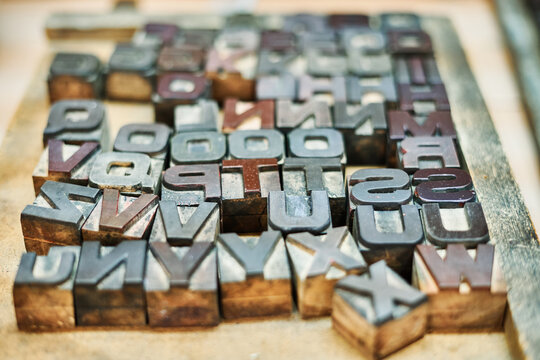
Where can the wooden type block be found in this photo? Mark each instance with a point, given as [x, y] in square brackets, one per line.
[245, 186]
[276, 87]
[57, 215]
[299, 23]
[311, 114]
[427, 152]
[466, 225]
[65, 163]
[149, 139]
[465, 288]
[176, 89]
[385, 189]
[389, 235]
[345, 21]
[280, 63]
[361, 90]
[409, 42]
[318, 262]
[75, 76]
[301, 176]
[181, 285]
[247, 116]
[399, 21]
[129, 172]
[76, 122]
[232, 74]
[276, 40]
[333, 88]
[192, 184]
[131, 73]
[181, 58]
[295, 213]
[108, 287]
[201, 116]
[316, 143]
[254, 276]
[181, 225]
[326, 63]
[199, 37]
[364, 130]
[363, 41]
[198, 147]
[257, 144]
[117, 218]
[378, 312]
[43, 289]
[447, 187]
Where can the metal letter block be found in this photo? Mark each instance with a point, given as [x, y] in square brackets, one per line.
[202, 116]
[166, 33]
[363, 41]
[199, 37]
[247, 116]
[417, 70]
[369, 65]
[316, 143]
[109, 284]
[378, 312]
[466, 289]
[318, 262]
[346, 21]
[427, 152]
[361, 90]
[254, 276]
[57, 215]
[299, 23]
[131, 173]
[181, 285]
[181, 58]
[278, 40]
[257, 144]
[43, 289]
[201, 147]
[77, 121]
[412, 96]
[117, 218]
[399, 21]
[447, 187]
[364, 131]
[388, 235]
[331, 87]
[318, 40]
[131, 73]
[245, 186]
[175, 89]
[409, 42]
[280, 63]
[311, 114]
[75, 76]
[326, 63]
[276, 87]
[243, 38]
[65, 163]
[302, 176]
[295, 213]
[149, 139]
[181, 225]
[192, 184]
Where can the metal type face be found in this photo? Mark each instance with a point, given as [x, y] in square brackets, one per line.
[58, 166]
[316, 143]
[275, 87]
[75, 64]
[312, 114]
[417, 70]
[203, 38]
[251, 170]
[118, 222]
[192, 184]
[409, 42]
[314, 171]
[345, 21]
[219, 63]
[149, 139]
[277, 62]
[326, 63]
[308, 86]
[299, 23]
[201, 116]
[359, 88]
[448, 187]
[321, 40]
[441, 231]
[130, 58]
[427, 152]
[411, 95]
[369, 65]
[198, 148]
[181, 58]
[278, 40]
[363, 41]
[257, 144]
[181, 88]
[399, 21]
[166, 32]
[403, 123]
[237, 38]
[236, 119]
[458, 266]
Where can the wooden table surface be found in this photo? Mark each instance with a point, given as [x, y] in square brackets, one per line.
[22, 45]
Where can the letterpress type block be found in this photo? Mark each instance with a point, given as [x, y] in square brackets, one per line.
[131, 173]
[57, 215]
[257, 144]
[192, 184]
[275, 87]
[312, 114]
[318, 40]
[399, 21]
[280, 63]
[237, 38]
[378, 312]
[203, 38]
[77, 121]
[43, 289]
[318, 262]
[369, 65]
[301, 176]
[181, 285]
[247, 116]
[278, 40]
[316, 143]
[427, 152]
[149, 139]
[65, 163]
[345, 21]
[75, 76]
[364, 130]
[201, 147]
[117, 218]
[465, 288]
[333, 88]
[326, 63]
[254, 275]
[409, 42]
[131, 73]
[299, 23]
[164, 33]
[361, 90]
[181, 58]
[295, 213]
[109, 284]
[181, 225]
[175, 89]
[363, 41]
[202, 116]
[245, 186]
[446, 187]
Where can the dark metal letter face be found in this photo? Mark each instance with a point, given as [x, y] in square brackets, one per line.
[312, 114]
[347, 21]
[192, 184]
[240, 115]
[382, 188]
[399, 21]
[402, 124]
[427, 152]
[198, 148]
[79, 65]
[114, 221]
[202, 116]
[308, 86]
[181, 58]
[385, 296]
[149, 139]
[278, 40]
[410, 95]
[409, 42]
[257, 144]
[447, 187]
[316, 143]
[251, 169]
[127, 57]
[471, 230]
[458, 265]
[360, 87]
[275, 87]
[180, 88]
